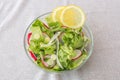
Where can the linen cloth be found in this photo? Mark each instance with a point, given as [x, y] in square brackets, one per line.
[103, 18]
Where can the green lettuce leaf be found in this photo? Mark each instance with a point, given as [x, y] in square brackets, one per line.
[65, 54]
[34, 46]
[49, 49]
[38, 23]
[54, 26]
[74, 39]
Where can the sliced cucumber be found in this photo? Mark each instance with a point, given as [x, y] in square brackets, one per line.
[36, 33]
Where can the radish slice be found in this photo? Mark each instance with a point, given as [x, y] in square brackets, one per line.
[28, 38]
[43, 62]
[60, 36]
[33, 55]
[47, 56]
[46, 36]
[64, 26]
[47, 64]
[79, 53]
[45, 26]
[53, 56]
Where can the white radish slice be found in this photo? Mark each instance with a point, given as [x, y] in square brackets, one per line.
[49, 64]
[60, 37]
[79, 53]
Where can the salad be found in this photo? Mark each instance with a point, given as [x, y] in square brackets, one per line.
[58, 43]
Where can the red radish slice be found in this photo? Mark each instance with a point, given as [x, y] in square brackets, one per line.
[44, 63]
[33, 55]
[79, 53]
[45, 26]
[28, 38]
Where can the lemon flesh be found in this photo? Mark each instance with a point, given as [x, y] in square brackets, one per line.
[73, 17]
[56, 13]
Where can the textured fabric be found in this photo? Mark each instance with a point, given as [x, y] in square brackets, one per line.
[103, 18]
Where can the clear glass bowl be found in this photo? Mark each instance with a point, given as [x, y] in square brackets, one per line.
[87, 32]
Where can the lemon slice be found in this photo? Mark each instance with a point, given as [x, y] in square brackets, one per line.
[56, 13]
[72, 17]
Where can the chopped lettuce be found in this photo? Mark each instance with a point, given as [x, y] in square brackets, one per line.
[65, 55]
[73, 39]
[49, 50]
[34, 46]
[38, 23]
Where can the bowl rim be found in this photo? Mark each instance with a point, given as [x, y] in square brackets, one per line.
[47, 71]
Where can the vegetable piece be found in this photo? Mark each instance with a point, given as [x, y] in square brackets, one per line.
[45, 26]
[28, 38]
[74, 39]
[60, 37]
[55, 26]
[49, 64]
[36, 33]
[57, 68]
[53, 56]
[79, 53]
[65, 54]
[79, 61]
[47, 56]
[52, 39]
[43, 62]
[47, 38]
[37, 22]
[64, 26]
[33, 55]
[58, 62]
[49, 19]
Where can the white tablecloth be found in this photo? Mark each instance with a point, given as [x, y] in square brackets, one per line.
[104, 20]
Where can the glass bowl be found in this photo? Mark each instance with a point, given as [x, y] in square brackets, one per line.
[86, 30]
